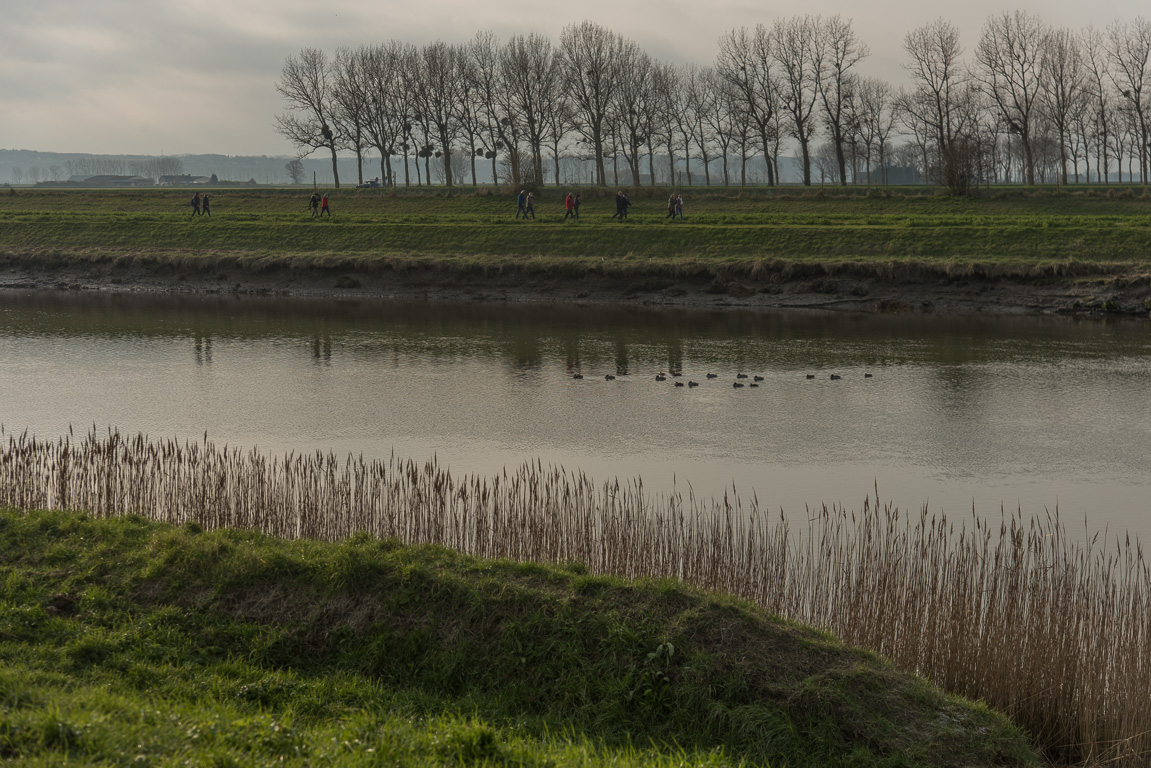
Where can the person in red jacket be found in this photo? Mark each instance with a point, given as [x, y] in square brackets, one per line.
[324, 206]
[569, 204]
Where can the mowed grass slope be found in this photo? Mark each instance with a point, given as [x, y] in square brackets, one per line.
[1041, 233]
[124, 642]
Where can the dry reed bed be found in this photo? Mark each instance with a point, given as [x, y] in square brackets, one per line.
[1056, 633]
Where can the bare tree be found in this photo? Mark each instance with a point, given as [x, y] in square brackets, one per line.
[1130, 60]
[942, 105]
[746, 61]
[351, 88]
[591, 74]
[306, 85]
[558, 118]
[531, 72]
[438, 86]
[295, 171]
[386, 106]
[693, 104]
[1008, 59]
[719, 116]
[876, 117]
[1063, 88]
[469, 109]
[632, 104]
[794, 48]
[1098, 81]
[491, 93]
[934, 63]
[838, 50]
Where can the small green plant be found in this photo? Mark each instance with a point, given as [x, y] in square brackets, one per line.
[650, 683]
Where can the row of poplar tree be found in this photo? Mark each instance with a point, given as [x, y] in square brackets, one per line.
[1032, 103]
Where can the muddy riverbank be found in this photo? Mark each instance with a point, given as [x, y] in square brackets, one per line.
[1128, 294]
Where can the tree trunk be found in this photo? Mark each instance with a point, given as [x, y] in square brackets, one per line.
[447, 166]
[600, 168]
[687, 159]
[335, 169]
[803, 145]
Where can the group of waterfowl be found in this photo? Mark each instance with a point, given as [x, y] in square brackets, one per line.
[737, 384]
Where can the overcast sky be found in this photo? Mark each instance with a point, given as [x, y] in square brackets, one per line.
[167, 77]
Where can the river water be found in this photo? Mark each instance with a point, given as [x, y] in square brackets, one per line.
[958, 412]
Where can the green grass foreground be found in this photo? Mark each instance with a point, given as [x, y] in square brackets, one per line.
[1062, 233]
[124, 642]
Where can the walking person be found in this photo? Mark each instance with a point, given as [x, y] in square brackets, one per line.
[670, 208]
[624, 205]
[576, 202]
[314, 204]
[679, 206]
[207, 210]
[618, 206]
[196, 204]
[324, 206]
[521, 204]
[531, 206]
[569, 207]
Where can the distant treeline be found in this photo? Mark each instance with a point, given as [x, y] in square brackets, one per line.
[1032, 103]
[21, 166]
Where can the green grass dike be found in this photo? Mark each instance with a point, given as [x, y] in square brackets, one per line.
[130, 643]
[760, 235]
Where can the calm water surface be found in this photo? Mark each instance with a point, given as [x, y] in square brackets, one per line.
[959, 412]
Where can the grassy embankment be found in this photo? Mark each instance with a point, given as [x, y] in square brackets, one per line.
[125, 642]
[1009, 613]
[760, 236]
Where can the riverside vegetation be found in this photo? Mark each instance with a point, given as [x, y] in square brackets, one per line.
[1055, 633]
[134, 643]
[760, 235]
